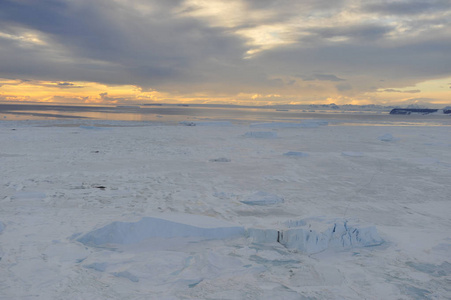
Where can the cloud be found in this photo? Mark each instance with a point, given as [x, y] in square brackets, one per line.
[407, 7]
[68, 85]
[400, 91]
[322, 77]
[343, 87]
[187, 48]
[355, 31]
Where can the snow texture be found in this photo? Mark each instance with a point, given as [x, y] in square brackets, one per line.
[159, 183]
[352, 153]
[22, 195]
[261, 134]
[262, 199]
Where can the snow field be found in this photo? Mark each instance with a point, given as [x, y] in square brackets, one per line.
[59, 184]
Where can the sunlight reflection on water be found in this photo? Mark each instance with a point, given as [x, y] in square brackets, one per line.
[175, 114]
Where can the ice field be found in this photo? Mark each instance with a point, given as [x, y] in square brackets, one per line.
[224, 210]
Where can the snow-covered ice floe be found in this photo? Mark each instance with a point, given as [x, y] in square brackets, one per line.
[308, 235]
[388, 137]
[167, 226]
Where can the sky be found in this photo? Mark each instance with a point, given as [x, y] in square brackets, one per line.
[245, 52]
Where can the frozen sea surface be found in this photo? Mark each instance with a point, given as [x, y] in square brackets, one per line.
[140, 210]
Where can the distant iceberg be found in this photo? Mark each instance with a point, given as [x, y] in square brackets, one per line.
[316, 235]
[309, 236]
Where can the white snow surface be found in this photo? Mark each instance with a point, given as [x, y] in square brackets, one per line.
[117, 210]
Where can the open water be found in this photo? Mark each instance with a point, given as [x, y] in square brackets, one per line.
[176, 113]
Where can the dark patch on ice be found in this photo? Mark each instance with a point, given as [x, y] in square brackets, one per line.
[194, 284]
[295, 154]
[101, 187]
[186, 123]
[220, 159]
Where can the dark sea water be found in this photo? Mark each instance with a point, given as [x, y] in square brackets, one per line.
[173, 114]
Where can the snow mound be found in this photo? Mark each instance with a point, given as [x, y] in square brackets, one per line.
[169, 226]
[317, 235]
[261, 134]
[388, 137]
[295, 154]
[352, 153]
[263, 198]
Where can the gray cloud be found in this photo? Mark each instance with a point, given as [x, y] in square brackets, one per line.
[399, 91]
[165, 48]
[407, 7]
[361, 31]
[322, 77]
[343, 87]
